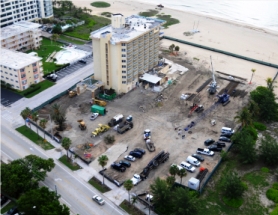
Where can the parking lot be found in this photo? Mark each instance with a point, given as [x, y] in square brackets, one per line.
[8, 97]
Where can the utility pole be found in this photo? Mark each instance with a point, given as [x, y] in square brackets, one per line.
[56, 190]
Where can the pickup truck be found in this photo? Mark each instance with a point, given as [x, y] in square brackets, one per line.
[205, 152]
[136, 179]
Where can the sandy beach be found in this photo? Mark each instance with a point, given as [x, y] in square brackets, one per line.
[245, 40]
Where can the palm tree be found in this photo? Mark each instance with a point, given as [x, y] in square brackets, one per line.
[269, 83]
[128, 186]
[25, 114]
[85, 9]
[89, 10]
[253, 72]
[102, 161]
[182, 173]
[43, 125]
[244, 117]
[66, 142]
[55, 37]
[174, 170]
[171, 48]
[170, 180]
[58, 115]
[253, 108]
[35, 119]
[134, 199]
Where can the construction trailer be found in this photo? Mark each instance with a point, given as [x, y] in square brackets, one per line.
[98, 109]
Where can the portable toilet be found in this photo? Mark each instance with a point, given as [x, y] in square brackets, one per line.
[98, 109]
[194, 183]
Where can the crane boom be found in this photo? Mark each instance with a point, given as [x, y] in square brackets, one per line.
[212, 70]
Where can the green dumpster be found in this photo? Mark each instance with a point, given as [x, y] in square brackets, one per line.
[98, 109]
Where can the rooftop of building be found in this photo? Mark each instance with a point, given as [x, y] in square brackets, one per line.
[16, 60]
[17, 28]
[134, 26]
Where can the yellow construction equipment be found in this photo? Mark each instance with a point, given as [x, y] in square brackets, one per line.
[99, 102]
[100, 129]
[72, 93]
[82, 124]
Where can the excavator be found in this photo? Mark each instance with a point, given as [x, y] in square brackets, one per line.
[100, 129]
[98, 102]
[72, 93]
[82, 124]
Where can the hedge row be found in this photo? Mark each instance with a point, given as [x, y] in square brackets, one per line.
[31, 89]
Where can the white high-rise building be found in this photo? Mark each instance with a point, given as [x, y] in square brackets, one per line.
[125, 50]
[13, 11]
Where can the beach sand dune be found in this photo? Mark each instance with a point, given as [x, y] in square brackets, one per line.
[229, 36]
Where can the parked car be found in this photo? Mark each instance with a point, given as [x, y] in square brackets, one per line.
[229, 135]
[225, 139]
[149, 198]
[130, 158]
[187, 166]
[98, 200]
[199, 157]
[220, 144]
[125, 163]
[193, 161]
[12, 211]
[94, 116]
[136, 154]
[118, 167]
[209, 142]
[83, 61]
[142, 151]
[215, 148]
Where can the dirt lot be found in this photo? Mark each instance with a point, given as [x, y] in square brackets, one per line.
[161, 117]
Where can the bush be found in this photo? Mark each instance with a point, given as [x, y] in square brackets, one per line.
[232, 186]
[100, 4]
[272, 194]
[31, 90]
[275, 211]
[109, 139]
[265, 169]
[275, 186]
[269, 150]
[259, 126]
[235, 203]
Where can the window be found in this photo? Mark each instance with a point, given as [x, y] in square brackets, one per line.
[123, 71]
[16, 81]
[123, 55]
[10, 68]
[123, 50]
[11, 74]
[123, 76]
[123, 66]
[24, 82]
[15, 75]
[12, 79]
[123, 61]
[123, 44]
[123, 82]
[2, 76]
[7, 78]
[6, 72]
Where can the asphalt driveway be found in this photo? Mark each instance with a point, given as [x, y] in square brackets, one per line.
[9, 97]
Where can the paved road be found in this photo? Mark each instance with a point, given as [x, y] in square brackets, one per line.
[75, 193]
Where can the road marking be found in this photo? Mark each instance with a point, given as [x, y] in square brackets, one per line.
[58, 179]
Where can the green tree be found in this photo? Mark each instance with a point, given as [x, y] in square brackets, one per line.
[66, 142]
[232, 185]
[35, 118]
[269, 150]
[268, 107]
[177, 48]
[42, 201]
[55, 37]
[185, 202]
[247, 152]
[102, 161]
[270, 84]
[22, 175]
[8, 85]
[3, 84]
[25, 114]
[43, 123]
[170, 180]
[253, 109]
[182, 173]
[57, 29]
[244, 117]
[58, 115]
[173, 170]
[161, 196]
[171, 48]
[128, 186]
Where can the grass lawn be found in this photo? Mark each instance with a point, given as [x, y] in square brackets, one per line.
[98, 185]
[91, 23]
[256, 178]
[10, 205]
[168, 19]
[44, 85]
[235, 203]
[31, 135]
[130, 209]
[149, 13]
[71, 40]
[100, 4]
[68, 163]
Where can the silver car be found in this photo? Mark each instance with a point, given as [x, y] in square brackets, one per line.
[99, 200]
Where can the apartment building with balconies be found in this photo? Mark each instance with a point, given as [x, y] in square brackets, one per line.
[20, 70]
[13, 11]
[21, 36]
[125, 50]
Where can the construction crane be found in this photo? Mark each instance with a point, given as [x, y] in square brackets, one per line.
[213, 85]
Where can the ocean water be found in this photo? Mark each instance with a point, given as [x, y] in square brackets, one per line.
[263, 14]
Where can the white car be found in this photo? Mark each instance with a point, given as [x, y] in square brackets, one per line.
[187, 166]
[136, 179]
[130, 158]
[99, 200]
[149, 198]
[179, 167]
[94, 116]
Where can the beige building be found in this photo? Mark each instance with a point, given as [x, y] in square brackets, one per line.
[23, 35]
[125, 50]
[20, 70]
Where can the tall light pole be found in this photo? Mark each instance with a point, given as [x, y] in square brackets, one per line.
[49, 115]
[253, 72]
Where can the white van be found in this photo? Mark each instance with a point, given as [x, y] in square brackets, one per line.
[188, 166]
[193, 161]
[227, 130]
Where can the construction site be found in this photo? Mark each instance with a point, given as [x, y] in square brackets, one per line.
[180, 118]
